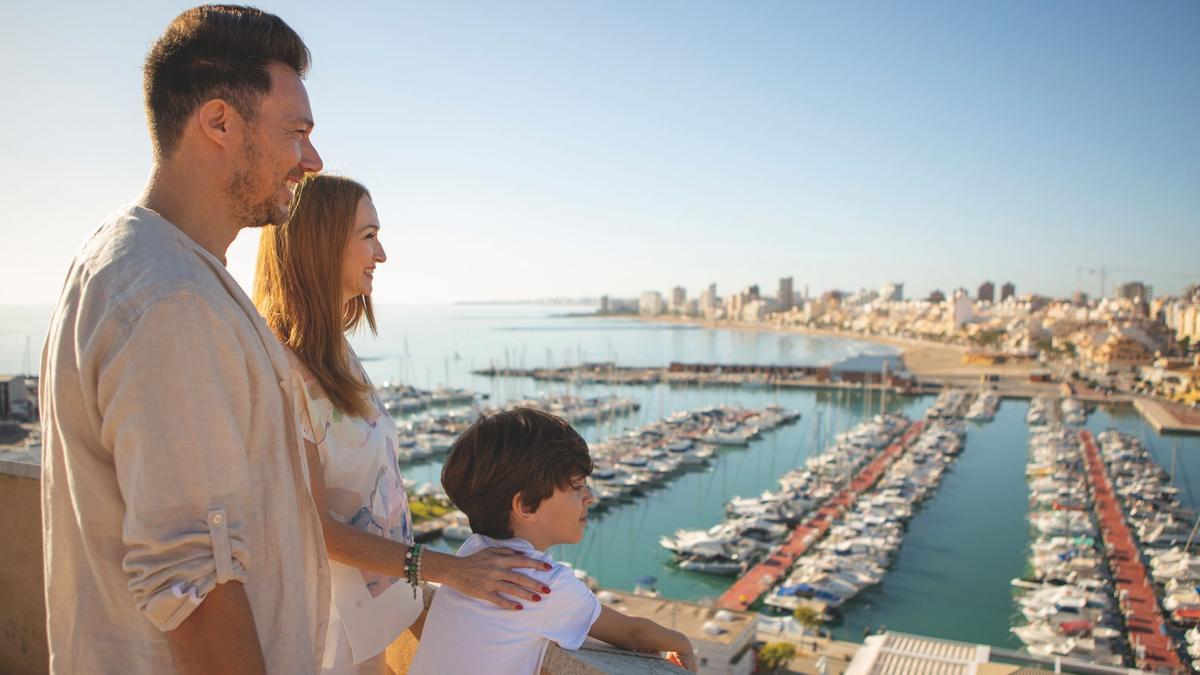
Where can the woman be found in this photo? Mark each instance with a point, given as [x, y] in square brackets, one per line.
[313, 284]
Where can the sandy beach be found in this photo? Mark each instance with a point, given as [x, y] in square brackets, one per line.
[926, 359]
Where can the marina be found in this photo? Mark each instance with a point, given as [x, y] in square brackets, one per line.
[1066, 604]
[747, 590]
[967, 540]
[1144, 622]
[861, 544]
[754, 526]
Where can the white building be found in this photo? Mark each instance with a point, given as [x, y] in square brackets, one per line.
[1183, 318]
[755, 310]
[961, 309]
[893, 291]
[651, 303]
[15, 401]
[900, 653]
[709, 302]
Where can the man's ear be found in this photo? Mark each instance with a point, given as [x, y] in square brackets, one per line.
[216, 121]
[521, 513]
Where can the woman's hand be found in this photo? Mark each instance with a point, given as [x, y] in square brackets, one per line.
[487, 574]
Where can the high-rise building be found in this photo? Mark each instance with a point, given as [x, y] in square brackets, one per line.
[678, 299]
[604, 304]
[1134, 291]
[893, 291]
[1007, 291]
[937, 296]
[734, 304]
[787, 297]
[751, 293]
[651, 303]
[987, 292]
[1079, 299]
[708, 299]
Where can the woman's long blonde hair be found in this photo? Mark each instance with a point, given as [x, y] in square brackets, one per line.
[298, 286]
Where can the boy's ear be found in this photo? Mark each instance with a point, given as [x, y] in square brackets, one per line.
[521, 512]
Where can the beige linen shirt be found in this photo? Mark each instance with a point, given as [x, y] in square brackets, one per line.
[172, 459]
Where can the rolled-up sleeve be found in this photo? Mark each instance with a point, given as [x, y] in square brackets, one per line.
[175, 404]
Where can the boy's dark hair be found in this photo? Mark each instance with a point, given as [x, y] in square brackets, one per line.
[214, 51]
[521, 450]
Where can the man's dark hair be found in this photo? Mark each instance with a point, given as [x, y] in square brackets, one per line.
[522, 451]
[214, 51]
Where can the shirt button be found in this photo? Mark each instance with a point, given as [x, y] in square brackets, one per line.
[217, 519]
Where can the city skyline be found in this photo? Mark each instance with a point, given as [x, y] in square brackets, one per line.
[576, 151]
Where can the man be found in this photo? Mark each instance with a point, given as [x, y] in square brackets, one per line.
[179, 533]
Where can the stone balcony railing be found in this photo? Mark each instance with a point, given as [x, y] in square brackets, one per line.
[23, 610]
[594, 658]
[23, 613]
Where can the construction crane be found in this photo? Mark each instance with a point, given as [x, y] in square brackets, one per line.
[1103, 272]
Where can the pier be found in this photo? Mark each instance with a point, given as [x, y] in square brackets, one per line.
[1147, 628]
[758, 579]
[1163, 416]
[1168, 418]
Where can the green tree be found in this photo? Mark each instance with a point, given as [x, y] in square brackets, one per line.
[775, 655]
[808, 617]
[988, 338]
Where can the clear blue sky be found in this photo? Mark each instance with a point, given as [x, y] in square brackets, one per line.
[532, 149]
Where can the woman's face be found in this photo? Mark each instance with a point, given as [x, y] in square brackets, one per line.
[363, 251]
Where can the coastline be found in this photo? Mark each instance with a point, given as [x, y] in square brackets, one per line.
[926, 359]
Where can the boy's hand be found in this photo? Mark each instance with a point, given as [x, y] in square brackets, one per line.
[685, 659]
[643, 635]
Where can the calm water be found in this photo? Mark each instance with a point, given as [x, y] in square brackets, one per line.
[950, 578]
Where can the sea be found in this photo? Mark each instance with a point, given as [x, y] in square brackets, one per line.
[950, 578]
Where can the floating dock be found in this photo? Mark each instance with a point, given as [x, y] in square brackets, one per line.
[759, 579]
[1144, 621]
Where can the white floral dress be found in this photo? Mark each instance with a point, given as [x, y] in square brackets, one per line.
[363, 488]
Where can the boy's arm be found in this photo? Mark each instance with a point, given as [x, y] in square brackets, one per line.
[642, 635]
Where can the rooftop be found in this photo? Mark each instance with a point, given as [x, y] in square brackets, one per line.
[901, 653]
[686, 617]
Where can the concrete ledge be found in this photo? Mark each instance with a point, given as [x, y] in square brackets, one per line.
[594, 658]
[23, 646]
[20, 468]
[597, 658]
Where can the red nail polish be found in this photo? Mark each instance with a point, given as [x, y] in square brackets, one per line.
[547, 566]
[520, 607]
[537, 598]
[545, 589]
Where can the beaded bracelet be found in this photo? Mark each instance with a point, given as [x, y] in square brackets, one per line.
[412, 566]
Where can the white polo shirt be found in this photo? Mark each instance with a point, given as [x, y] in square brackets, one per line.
[465, 635]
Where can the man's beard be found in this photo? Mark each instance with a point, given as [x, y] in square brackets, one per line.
[241, 188]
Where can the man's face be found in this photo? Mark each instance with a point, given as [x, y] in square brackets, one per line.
[276, 151]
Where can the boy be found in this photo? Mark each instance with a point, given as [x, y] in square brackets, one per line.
[520, 478]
